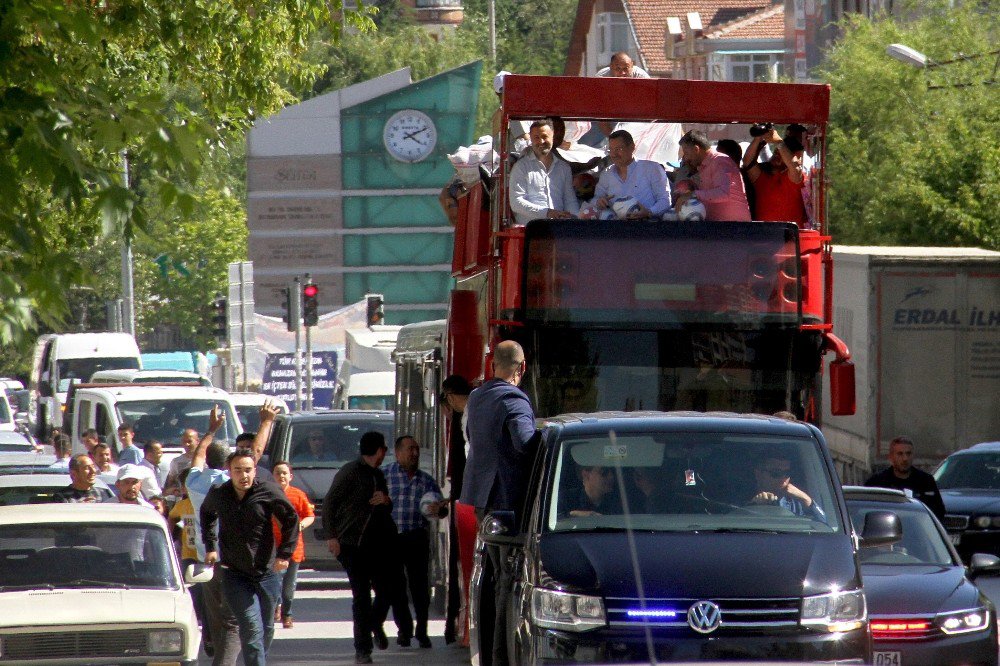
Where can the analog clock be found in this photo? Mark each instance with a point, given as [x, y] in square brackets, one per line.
[409, 135]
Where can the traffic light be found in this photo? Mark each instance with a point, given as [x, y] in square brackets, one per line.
[376, 313]
[310, 304]
[292, 315]
[220, 318]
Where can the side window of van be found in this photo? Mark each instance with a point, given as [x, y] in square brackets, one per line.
[83, 416]
[103, 425]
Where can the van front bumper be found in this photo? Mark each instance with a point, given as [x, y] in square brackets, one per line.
[548, 646]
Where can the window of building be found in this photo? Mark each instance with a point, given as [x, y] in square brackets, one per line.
[754, 67]
[612, 36]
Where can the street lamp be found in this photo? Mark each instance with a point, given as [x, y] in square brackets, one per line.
[915, 58]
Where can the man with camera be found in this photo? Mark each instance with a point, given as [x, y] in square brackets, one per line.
[777, 182]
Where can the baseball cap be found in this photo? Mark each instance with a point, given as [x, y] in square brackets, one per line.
[498, 80]
[130, 471]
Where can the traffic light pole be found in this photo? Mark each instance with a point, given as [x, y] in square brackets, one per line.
[309, 369]
[297, 294]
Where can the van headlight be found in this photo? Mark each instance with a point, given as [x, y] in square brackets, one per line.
[964, 622]
[835, 612]
[562, 610]
[166, 641]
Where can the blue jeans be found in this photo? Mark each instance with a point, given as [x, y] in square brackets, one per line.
[288, 588]
[253, 603]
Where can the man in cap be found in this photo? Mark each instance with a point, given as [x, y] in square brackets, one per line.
[129, 486]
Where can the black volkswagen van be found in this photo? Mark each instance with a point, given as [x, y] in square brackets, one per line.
[653, 536]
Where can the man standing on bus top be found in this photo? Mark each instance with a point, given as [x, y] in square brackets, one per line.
[622, 67]
[643, 180]
[721, 184]
[541, 185]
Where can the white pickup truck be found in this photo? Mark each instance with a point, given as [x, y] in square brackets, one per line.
[158, 413]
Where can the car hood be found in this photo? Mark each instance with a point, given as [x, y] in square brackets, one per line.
[686, 565]
[917, 589]
[314, 482]
[969, 500]
[90, 606]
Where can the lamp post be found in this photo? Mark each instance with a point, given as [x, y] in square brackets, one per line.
[915, 58]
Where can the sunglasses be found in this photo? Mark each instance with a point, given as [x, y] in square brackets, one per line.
[777, 473]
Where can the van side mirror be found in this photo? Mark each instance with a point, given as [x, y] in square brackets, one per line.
[982, 563]
[882, 528]
[198, 573]
[500, 528]
[842, 394]
[44, 389]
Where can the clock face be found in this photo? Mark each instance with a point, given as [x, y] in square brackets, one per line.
[409, 135]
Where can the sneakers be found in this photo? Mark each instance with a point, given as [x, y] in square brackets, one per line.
[363, 658]
[288, 623]
[380, 639]
[424, 642]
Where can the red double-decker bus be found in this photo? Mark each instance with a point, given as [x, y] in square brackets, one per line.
[626, 315]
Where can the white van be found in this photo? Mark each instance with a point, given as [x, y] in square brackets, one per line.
[154, 412]
[69, 358]
[93, 584]
[148, 377]
[366, 390]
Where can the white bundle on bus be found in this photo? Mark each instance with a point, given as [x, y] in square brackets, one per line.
[467, 159]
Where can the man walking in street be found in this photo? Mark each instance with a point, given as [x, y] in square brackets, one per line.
[902, 475]
[408, 485]
[502, 443]
[252, 562]
[357, 518]
[83, 477]
[129, 486]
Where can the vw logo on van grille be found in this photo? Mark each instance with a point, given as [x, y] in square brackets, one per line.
[704, 617]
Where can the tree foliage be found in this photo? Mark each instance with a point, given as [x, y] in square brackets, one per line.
[84, 82]
[911, 165]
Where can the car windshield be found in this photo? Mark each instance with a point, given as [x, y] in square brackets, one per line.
[31, 494]
[85, 555]
[76, 370]
[921, 543]
[691, 482]
[970, 470]
[332, 443]
[165, 420]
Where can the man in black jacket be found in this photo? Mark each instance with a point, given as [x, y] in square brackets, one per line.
[902, 475]
[244, 507]
[357, 518]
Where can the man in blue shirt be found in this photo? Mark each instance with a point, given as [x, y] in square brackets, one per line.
[130, 453]
[773, 474]
[643, 180]
[408, 484]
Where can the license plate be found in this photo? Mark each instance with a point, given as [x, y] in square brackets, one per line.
[888, 659]
[956, 539]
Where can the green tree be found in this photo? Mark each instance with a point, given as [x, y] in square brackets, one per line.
[83, 82]
[911, 165]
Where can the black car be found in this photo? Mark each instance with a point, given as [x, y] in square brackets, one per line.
[685, 555]
[969, 481]
[923, 608]
[317, 444]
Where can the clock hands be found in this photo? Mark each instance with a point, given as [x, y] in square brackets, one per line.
[412, 135]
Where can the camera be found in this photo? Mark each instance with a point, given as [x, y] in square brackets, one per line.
[760, 129]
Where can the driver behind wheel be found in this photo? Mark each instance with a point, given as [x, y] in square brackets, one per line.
[773, 476]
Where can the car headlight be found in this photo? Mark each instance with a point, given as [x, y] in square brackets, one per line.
[834, 612]
[562, 610]
[982, 522]
[964, 622]
[166, 641]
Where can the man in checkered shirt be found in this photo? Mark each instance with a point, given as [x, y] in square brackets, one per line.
[407, 485]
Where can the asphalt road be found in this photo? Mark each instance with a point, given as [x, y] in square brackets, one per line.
[323, 632]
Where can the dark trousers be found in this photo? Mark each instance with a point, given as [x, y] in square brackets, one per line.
[494, 611]
[389, 582]
[288, 578]
[415, 549]
[451, 630]
[359, 573]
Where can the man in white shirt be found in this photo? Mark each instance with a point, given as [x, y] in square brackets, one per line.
[152, 460]
[540, 184]
[622, 67]
[643, 180]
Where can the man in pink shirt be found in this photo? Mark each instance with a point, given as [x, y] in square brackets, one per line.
[721, 185]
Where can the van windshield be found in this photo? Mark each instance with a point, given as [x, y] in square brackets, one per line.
[165, 420]
[333, 443]
[76, 370]
[691, 482]
[85, 555]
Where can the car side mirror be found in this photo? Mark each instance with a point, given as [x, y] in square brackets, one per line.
[882, 528]
[500, 528]
[198, 573]
[982, 563]
[842, 392]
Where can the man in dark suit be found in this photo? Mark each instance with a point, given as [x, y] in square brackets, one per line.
[502, 443]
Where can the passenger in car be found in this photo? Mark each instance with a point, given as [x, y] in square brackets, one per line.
[773, 475]
[597, 495]
[312, 449]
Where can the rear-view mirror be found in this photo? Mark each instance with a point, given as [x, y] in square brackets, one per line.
[882, 528]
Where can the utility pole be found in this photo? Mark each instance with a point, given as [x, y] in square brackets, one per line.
[297, 295]
[492, 11]
[128, 289]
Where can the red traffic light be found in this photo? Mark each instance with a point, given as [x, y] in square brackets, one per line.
[310, 290]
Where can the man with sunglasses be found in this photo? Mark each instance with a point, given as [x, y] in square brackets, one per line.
[773, 475]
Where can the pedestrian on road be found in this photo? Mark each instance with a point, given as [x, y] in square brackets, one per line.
[130, 454]
[408, 487]
[307, 515]
[455, 390]
[357, 518]
[252, 560]
[189, 442]
[152, 459]
[902, 475]
[502, 444]
[129, 486]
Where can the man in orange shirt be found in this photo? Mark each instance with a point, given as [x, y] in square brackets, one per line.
[282, 472]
